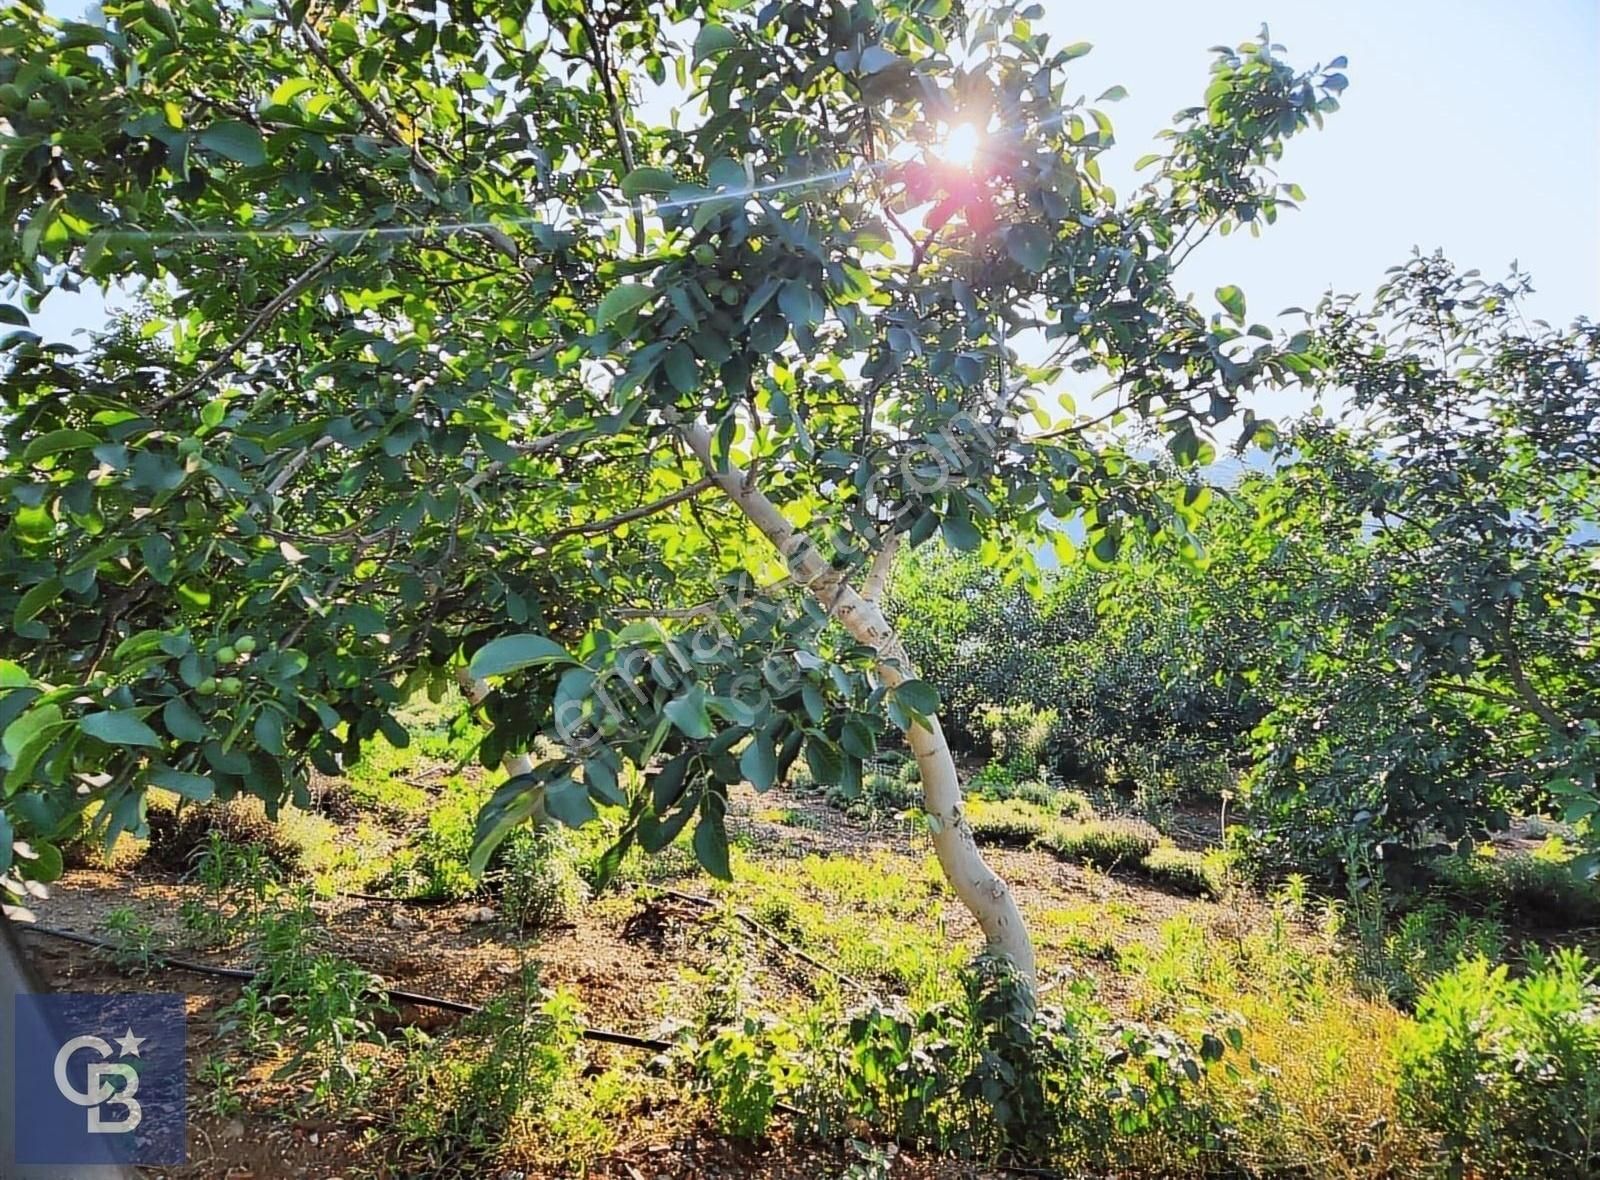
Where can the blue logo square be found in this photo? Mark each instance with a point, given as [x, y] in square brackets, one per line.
[101, 1079]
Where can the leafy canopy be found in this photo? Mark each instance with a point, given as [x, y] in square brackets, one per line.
[428, 296]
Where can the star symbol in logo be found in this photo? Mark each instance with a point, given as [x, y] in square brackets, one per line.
[128, 1046]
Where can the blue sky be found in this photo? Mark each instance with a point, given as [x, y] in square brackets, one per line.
[1472, 125]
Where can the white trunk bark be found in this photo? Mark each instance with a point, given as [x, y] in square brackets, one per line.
[977, 885]
[475, 691]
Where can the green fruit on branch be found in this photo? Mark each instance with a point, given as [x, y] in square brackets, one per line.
[246, 643]
[231, 686]
[207, 687]
[226, 655]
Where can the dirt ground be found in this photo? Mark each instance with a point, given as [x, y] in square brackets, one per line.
[616, 956]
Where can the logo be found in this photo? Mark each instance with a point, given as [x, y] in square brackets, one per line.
[100, 1079]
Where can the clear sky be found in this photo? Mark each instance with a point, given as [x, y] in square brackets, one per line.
[1472, 125]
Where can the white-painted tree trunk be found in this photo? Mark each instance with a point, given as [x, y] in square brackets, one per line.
[977, 885]
[475, 691]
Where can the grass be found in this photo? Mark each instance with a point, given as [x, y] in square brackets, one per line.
[1311, 1091]
[1104, 843]
[1202, 874]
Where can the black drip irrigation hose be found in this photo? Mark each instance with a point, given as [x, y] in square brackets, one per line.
[599, 1035]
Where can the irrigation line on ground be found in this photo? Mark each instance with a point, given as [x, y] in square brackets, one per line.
[599, 1035]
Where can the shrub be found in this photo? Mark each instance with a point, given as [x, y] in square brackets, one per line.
[493, 1080]
[180, 834]
[1007, 822]
[1425, 943]
[1200, 873]
[744, 1070]
[540, 885]
[1506, 1070]
[1540, 887]
[880, 794]
[1018, 733]
[983, 1075]
[1102, 843]
[911, 771]
[1074, 805]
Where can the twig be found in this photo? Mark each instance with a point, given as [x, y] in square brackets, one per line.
[767, 932]
[608, 523]
[259, 321]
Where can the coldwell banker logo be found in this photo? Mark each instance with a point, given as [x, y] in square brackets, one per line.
[100, 1079]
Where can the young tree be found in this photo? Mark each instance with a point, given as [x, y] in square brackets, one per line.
[604, 350]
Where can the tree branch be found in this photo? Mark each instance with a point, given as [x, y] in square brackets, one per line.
[610, 523]
[882, 566]
[257, 322]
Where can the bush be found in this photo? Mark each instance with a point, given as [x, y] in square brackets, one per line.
[1200, 873]
[540, 885]
[1009, 821]
[744, 1070]
[1539, 887]
[1507, 1071]
[180, 833]
[1102, 843]
[1018, 733]
[985, 1075]
[1427, 942]
[492, 1081]
[1074, 805]
[880, 794]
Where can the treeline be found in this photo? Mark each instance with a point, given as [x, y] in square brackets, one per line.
[1385, 643]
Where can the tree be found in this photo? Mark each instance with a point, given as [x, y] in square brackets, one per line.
[1443, 542]
[599, 350]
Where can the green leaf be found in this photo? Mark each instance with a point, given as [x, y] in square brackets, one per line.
[711, 846]
[191, 786]
[759, 762]
[918, 696]
[237, 141]
[512, 653]
[119, 727]
[1029, 246]
[183, 722]
[688, 712]
[712, 40]
[569, 802]
[268, 729]
[35, 600]
[960, 533]
[290, 90]
[1077, 49]
[641, 181]
[58, 441]
[875, 59]
[681, 369]
[857, 739]
[25, 729]
[1232, 299]
[619, 301]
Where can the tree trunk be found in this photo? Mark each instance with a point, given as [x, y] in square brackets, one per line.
[977, 885]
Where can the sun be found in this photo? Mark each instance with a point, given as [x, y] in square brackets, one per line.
[959, 146]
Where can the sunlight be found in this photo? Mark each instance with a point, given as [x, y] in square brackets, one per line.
[959, 145]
